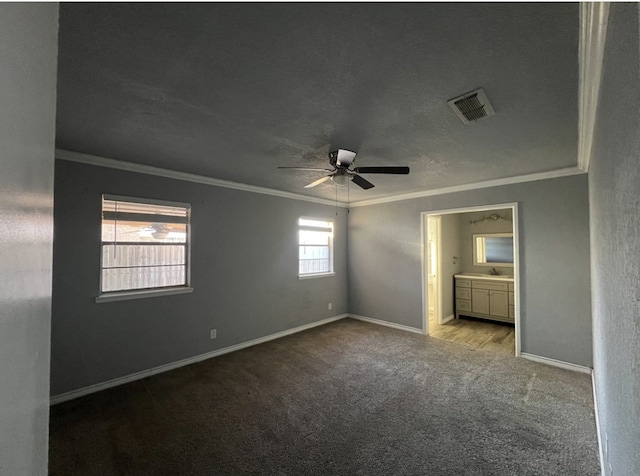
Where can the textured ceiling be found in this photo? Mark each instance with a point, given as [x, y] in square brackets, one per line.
[231, 91]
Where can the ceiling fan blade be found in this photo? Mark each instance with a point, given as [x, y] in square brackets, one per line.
[305, 168]
[362, 183]
[345, 158]
[382, 170]
[318, 182]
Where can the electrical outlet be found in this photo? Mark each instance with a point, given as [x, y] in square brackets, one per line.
[330, 306]
[213, 333]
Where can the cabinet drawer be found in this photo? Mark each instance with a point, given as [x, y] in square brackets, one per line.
[512, 299]
[463, 305]
[489, 285]
[511, 287]
[463, 283]
[463, 293]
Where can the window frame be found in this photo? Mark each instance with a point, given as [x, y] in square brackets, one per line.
[138, 293]
[331, 271]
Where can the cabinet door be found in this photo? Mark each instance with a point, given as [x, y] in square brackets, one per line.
[499, 303]
[480, 301]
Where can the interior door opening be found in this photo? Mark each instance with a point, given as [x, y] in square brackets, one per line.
[434, 295]
[464, 299]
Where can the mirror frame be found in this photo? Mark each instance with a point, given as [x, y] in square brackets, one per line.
[475, 249]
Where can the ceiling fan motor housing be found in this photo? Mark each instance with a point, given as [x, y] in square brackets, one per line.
[342, 158]
[333, 157]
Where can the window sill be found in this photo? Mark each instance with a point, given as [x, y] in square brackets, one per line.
[311, 276]
[142, 294]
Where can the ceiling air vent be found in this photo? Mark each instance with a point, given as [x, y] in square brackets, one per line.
[471, 106]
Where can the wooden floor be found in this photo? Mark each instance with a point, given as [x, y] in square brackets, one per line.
[477, 333]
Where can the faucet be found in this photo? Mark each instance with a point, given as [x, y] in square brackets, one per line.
[494, 272]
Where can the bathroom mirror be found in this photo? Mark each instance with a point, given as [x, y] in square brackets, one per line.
[493, 249]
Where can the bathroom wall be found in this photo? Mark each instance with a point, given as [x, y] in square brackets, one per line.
[452, 244]
[468, 229]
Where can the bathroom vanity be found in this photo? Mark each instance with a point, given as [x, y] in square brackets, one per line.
[485, 296]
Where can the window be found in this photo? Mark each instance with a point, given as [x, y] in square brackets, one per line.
[315, 255]
[144, 245]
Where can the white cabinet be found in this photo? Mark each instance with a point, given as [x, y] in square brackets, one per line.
[485, 298]
[498, 304]
[480, 301]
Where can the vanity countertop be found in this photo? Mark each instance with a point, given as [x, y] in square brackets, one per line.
[486, 277]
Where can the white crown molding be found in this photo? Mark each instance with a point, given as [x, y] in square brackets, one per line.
[98, 161]
[557, 363]
[80, 392]
[89, 159]
[593, 33]
[568, 171]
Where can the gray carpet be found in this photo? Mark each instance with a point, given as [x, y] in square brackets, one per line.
[348, 398]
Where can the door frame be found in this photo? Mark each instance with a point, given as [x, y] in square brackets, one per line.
[437, 281]
[516, 260]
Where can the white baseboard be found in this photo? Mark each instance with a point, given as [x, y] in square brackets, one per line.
[598, 434]
[63, 397]
[387, 323]
[447, 319]
[557, 363]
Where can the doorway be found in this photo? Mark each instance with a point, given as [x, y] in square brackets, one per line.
[445, 254]
[434, 294]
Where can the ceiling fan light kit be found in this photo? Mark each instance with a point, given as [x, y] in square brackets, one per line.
[340, 180]
[341, 161]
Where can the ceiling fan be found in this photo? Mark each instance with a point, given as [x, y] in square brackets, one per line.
[341, 170]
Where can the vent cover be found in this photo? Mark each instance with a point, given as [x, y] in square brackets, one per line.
[472, 106]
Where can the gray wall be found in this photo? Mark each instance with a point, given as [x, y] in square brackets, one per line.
[385, 261]
[614, 193]
[451, 247]
[244, 274]
[28, 54]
